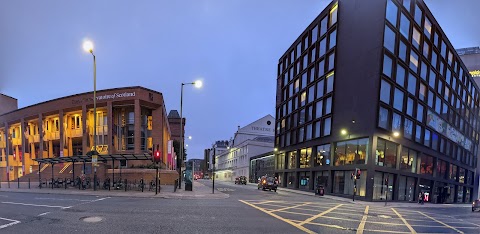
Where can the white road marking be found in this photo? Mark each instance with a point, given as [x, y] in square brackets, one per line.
[26, 204]
[83, 203]
[13, 222]
[60, 199]
[42, 214]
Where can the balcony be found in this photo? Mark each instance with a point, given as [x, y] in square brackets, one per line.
[16, 141]
[77, 132]
[55, 135]
[101, 130]
[36, 138]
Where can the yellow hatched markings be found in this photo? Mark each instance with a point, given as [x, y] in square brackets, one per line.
[319, 215]
[290, 207]
[404, 221]
[44, 167]
[440, 222]
[361, 226]
[279, 217]
[65, 167]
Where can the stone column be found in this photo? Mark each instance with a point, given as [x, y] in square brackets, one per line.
[40, 133]
[137, 126]
[85, 136]
[62, 133]
[24, 145]
[110, 126]
[7, 150]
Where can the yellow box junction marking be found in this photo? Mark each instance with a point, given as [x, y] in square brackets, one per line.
[319, 215]
[361, 226]
[404, 221]
[440, 222]
[278, 217]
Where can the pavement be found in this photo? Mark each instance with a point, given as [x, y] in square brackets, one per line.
[242, 209]
[166, 191]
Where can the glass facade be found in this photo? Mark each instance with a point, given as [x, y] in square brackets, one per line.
[427, 120]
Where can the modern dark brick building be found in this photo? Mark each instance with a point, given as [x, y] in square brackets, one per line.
[376, 85]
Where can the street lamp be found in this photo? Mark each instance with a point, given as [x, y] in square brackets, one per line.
[88, 47]
[189, 137]
[343, 132]
[198, 84]
[396, 134]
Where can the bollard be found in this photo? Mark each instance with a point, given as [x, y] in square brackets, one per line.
[125, 185]
[18, 182]
[28, 183]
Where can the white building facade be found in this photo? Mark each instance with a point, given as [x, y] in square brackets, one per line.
[254, 139]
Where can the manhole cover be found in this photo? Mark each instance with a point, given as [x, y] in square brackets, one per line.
[93, 219]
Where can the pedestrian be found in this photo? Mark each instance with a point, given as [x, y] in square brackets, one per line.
[423, 198]
[420, 198]
[82, 178]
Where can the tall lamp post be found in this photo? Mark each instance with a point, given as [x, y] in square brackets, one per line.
[197, 84]
[88, 47]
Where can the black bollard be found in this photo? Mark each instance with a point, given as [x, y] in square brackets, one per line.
[125, 185]
[28, 183]
[18, 182]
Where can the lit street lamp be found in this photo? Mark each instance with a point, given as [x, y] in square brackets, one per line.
[88, 47]
[198, 84]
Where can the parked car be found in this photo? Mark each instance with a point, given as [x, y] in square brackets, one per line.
[267, 182]
[476, 205]
[241, 180]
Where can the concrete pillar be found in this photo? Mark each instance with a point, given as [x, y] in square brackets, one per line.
[62, 133]
[85, 131]
[24, 145]
[40, 133]
[370, 175]
[7, 133]
[137, 124]
[110, 127]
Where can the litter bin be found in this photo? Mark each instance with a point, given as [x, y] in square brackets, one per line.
[320, 191]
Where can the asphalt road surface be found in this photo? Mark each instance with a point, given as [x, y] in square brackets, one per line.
[247, 210]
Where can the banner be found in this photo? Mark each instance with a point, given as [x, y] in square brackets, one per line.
[447, 130]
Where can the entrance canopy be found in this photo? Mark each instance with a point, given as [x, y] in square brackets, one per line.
[100, 158]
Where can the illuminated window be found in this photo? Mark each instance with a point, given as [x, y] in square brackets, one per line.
[428, 28]
[303, 98]
[416, 38]
[333, 15]
[413, 61]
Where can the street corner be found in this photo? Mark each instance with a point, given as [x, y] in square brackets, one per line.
[321, 217]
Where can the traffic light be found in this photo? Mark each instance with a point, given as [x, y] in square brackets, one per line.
[157, 156]
[358, 172]
[351, 176]
[386, 181]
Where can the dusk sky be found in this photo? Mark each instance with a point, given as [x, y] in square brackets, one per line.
[232, 45]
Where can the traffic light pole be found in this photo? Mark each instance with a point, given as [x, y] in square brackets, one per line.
[213, 171]
[354, 186]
